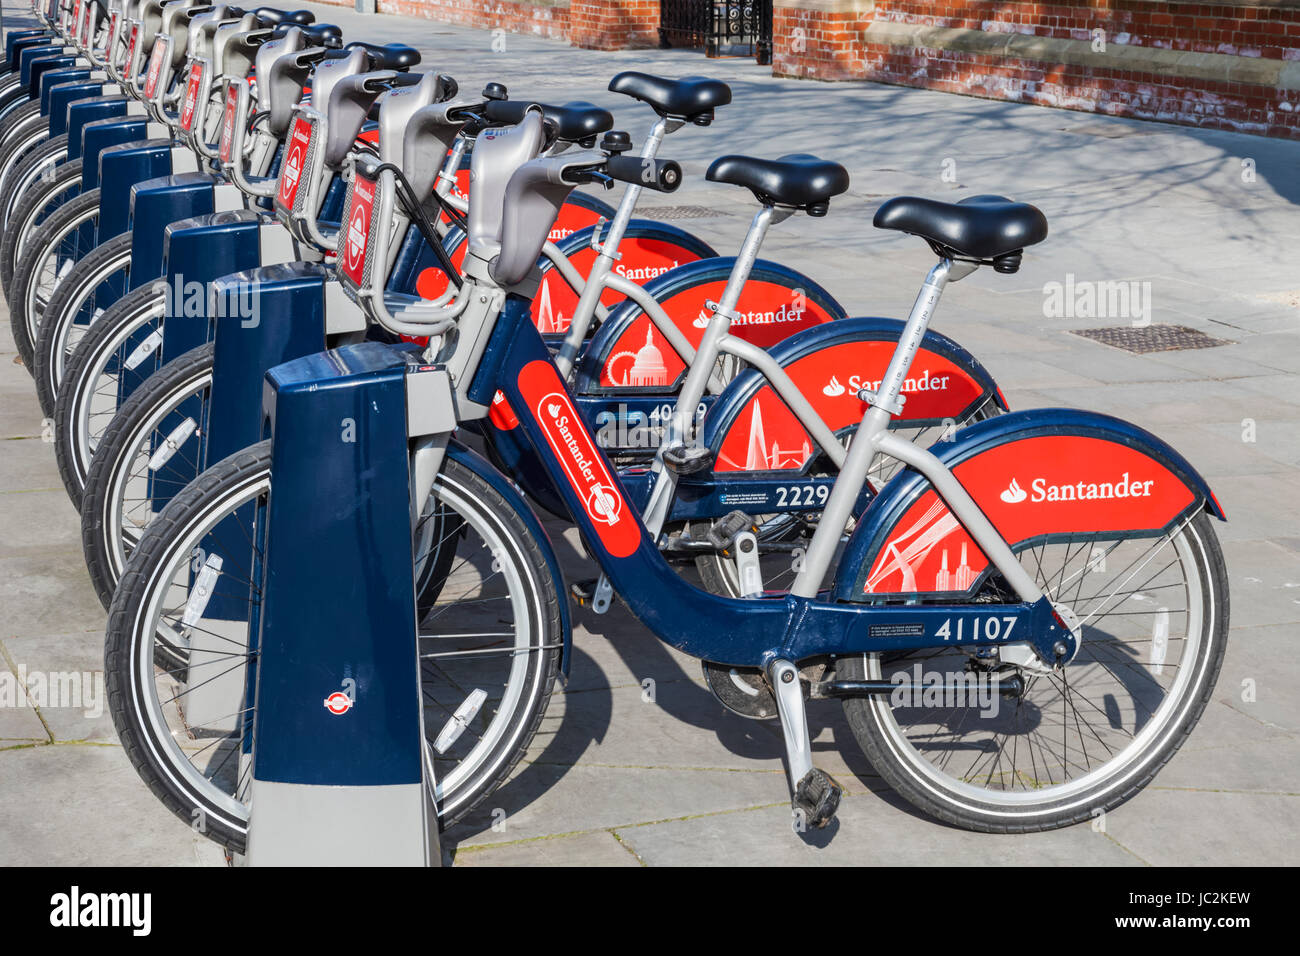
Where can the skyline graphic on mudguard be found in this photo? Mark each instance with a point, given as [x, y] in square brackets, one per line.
[766, 313]
[641, 259]
[830, 378]
[1032, 490]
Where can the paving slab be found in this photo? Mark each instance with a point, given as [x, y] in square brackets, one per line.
[83, 805]
[1201, 827]
[883, 834]
[582, 849]
[71, 669]
[614, 778]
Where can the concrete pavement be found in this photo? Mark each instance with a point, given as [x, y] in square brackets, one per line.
[1208, 219]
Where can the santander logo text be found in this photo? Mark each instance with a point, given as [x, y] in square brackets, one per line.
[603, 504]
[786, 313]
[583, 466]
[643, 273]
[925, 382]
[299, 142]
[1041, 490]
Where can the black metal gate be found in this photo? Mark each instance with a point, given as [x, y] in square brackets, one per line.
[721, 27]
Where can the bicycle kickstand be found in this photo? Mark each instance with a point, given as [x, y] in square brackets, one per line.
[814, 794]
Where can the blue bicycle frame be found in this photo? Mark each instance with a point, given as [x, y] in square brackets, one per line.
[748, 633]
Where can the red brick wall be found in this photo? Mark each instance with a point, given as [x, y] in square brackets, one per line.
[593, 24]
[832, 46]
[1199, 27]
[613, 24]
[513, 17]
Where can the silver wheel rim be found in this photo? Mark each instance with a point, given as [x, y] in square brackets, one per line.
[118, 533]
[1116, 771]
[89, 389]
[28, 225]
[69, 333]
[11, 197]
[45, 279]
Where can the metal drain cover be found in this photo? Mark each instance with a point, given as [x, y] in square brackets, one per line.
[664, 213]
[1151, 338]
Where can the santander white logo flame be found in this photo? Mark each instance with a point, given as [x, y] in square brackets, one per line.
[833, 388]
[1014, 493]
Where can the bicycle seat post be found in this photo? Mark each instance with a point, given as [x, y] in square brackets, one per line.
[882, 405]
[681, 427]
[608, 254]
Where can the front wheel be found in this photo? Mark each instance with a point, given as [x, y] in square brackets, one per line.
[96, 282]
[115, 357]
[57, 243]
[36, 205]
[489, 645]
[1077, 740]
[37, 164]
[149, 451]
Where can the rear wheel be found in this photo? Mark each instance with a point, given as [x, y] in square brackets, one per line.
[489, 647]
[1079, 739]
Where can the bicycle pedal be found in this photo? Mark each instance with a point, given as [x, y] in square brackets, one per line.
[687, 459]
[723, 531]
[584, 591]
[596, 593]
[817, 797]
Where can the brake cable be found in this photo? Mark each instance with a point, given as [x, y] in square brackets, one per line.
[421, 219]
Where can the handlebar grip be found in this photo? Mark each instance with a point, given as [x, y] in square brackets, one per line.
[663, 175]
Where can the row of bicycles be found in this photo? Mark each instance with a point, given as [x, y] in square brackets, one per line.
[325, 338]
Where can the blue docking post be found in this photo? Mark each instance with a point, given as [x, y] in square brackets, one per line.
[339, 775]
[39, 67]
[19, 40]
[86, 121]
[156, 204]
[120, 168]
[29, 55]
[197, 251]
[61, 97]
[52, 78]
